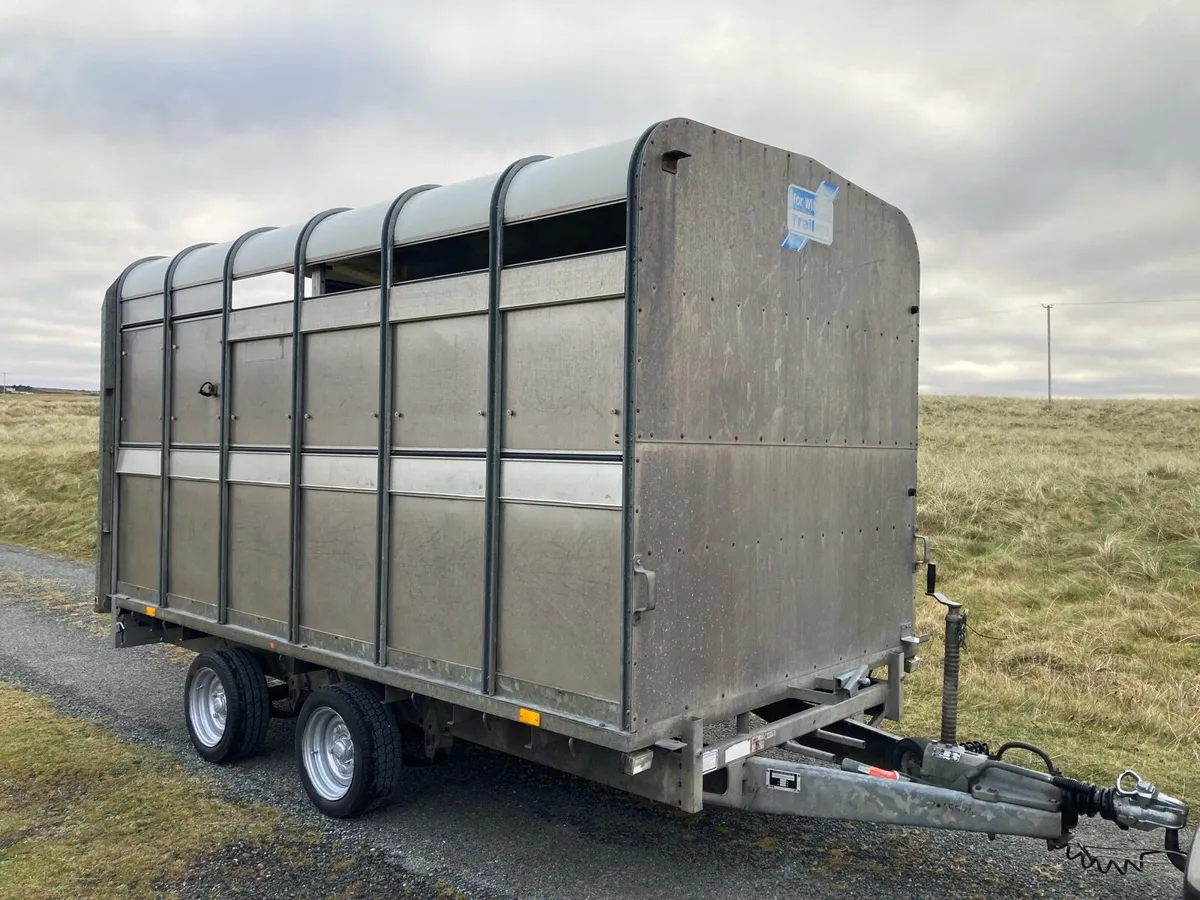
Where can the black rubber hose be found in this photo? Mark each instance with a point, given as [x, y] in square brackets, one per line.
[1037, 751]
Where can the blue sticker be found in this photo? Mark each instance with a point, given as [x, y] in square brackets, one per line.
[809, 216]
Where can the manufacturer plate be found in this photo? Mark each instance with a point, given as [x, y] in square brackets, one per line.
[782, 780]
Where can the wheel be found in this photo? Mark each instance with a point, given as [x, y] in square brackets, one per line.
[348, 750]
[909, 756]
[227, 704]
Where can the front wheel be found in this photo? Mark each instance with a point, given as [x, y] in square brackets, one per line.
[227, 704]
[348, 750]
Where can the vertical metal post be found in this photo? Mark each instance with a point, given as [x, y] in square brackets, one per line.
[1049, 392]
[636, 163]
[691, 776]
[295, 509]
[168, 382]
[495, 428]
[387, 250]
[225, 399]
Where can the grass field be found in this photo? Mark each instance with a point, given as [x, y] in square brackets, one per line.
[1071, 533]
[75, 813]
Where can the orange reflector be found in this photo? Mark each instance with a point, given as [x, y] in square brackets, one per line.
[883, 773]
[150, 610]
[529, 717]
[271, 644]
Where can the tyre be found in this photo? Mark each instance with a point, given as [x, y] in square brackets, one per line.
[226, 704]
[348, 750]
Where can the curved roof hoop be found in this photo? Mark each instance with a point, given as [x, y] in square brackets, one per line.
[297, 439]
[168, 379]
[387, 260]
[495, 431]
[226, 400]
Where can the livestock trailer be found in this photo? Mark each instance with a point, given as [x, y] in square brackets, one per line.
[570, 461]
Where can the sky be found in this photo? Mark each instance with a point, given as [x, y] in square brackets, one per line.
[1045, 153]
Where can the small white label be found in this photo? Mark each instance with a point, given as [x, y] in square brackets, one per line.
[737, 751]
[783, 781]
[708, 762]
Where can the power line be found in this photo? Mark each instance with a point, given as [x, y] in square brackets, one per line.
[997, 312]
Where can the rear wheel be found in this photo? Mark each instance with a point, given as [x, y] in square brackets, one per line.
[226, 704]
[347, 750]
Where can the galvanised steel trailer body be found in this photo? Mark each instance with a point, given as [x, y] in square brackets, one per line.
[569, 460]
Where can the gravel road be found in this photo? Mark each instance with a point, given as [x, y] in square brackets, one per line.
[492, 826]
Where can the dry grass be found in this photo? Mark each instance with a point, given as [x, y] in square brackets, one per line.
[48, 463]
[84, 815]
[1072, 534]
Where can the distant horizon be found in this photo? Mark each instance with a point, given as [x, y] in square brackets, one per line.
[1090, 398]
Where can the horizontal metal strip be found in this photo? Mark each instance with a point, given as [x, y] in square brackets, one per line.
[596, 276]
[195, 465]
[576, 483]
[438, 476]
[138, 461]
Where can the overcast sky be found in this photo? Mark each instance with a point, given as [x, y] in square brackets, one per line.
[1044, 152]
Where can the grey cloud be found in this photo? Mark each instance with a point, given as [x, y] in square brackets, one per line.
[1044, 153]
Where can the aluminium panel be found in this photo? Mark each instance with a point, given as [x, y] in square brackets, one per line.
[254, 322]
[258, 553]
[771, 562]
[341, 389]
[193, 535]
[197, 359]
[560, 599]
[455, 295]
[743, 340]
[142, 309]
[775, 424]
[564, 377]
[593, 277]
[349, 309]
[141, 386]
[440, 383]
[337, 549]
[138, 530]
[261, 401]
[199, 299]
[436, 573]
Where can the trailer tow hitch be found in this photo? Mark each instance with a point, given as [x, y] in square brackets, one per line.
[1131, 803]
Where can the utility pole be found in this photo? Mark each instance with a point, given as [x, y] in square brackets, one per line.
[1049, 393]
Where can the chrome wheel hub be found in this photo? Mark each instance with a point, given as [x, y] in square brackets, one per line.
[207, 707]
[328, 753]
